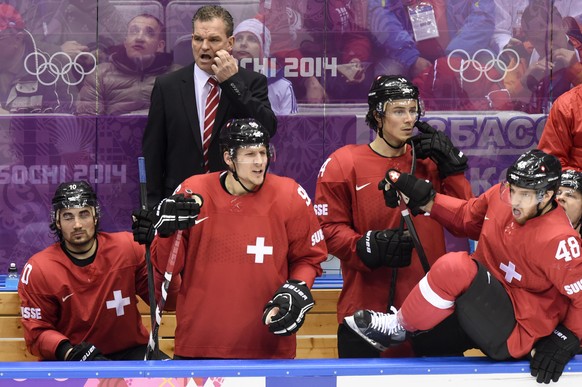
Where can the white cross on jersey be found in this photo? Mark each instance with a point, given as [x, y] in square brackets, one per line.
[510, 272]
[260, 250]
[118, 303]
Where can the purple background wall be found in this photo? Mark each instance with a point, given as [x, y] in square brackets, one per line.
[38, 152]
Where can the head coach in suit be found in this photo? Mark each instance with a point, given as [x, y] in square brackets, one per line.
[172, 144]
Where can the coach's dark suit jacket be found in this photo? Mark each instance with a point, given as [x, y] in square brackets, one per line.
[172, 144]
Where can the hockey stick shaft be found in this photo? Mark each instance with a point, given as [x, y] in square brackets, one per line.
[413, 234]
[153, 340]
[144, 205]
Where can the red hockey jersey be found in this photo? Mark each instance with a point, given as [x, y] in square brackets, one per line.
[242, 249]
[96, 303]
[539, 263]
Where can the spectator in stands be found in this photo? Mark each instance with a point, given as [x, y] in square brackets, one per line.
[339, 34]
[256, 249]
[124, 83]
[552, 65]
[429, 42]
[518, 295]
[460, 24]
[74, 26]
[24, 87]
[252, 41]
[569, 196]
[562, 134]
[378, 263]
[175, 143]
[286, 21]
[79, 295]
[522, 28]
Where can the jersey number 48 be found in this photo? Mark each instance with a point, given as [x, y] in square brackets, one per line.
[568, 249]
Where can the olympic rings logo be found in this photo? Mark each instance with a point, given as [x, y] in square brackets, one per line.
[483, 69]
[69, 70]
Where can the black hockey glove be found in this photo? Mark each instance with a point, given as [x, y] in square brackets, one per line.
[552, 353]
[390, 194]
[436, 145]
[142, 226]
[176, 213]
[385, 248]
[85, 352]
[418, 192]
[294, 300]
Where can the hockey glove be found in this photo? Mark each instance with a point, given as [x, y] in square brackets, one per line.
[390, 194]
[436, 145]
[85, 352]
[417, 192]
[143, 226]
[294, 300]
[176, 213]
[385, 248]
[552, 353]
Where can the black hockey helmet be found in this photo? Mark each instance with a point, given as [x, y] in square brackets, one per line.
[74, 194]
[572, 179]
[387, 88]
[535, 170]
[240, 132]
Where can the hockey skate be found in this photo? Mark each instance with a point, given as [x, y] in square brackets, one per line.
[381, 330]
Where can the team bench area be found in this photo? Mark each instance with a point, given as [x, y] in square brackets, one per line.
[316, 339]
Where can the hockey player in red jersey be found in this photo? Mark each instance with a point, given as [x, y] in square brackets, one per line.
[248, 264]
[378, 262]
[519, 294]
[79, 295]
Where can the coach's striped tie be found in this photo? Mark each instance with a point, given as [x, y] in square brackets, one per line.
[209, 116]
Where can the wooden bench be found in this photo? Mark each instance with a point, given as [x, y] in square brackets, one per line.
[316, 339]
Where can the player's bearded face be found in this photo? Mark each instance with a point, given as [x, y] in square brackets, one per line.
[525, 202]
[251, 165]
[78, 227]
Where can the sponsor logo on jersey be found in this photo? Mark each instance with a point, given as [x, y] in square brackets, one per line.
[316, 237]
[65, 298]
[359, 187]
[29, 312]
[320, 209]
[573, 288]
[200, 220]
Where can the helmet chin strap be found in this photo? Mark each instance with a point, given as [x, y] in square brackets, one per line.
[381, 134]
[235, 176]
[549, 203]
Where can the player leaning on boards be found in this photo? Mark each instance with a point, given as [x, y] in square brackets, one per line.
[514, 297]
[247, 266]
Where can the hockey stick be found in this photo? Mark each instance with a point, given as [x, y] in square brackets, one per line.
[151, 290]
[406, 216]
[153, 340]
